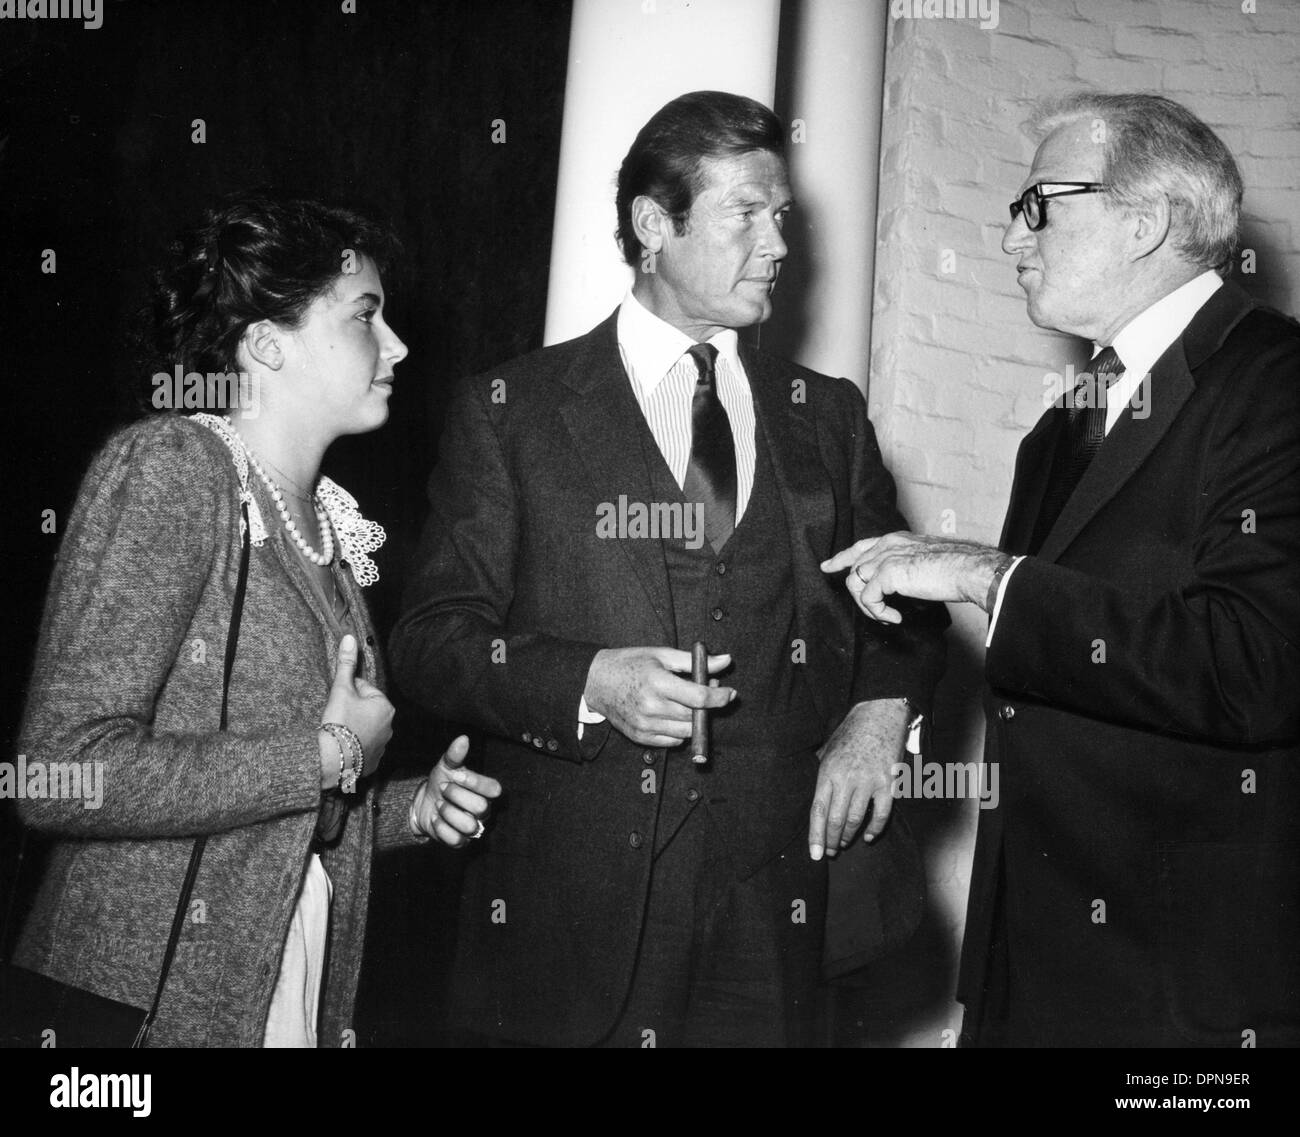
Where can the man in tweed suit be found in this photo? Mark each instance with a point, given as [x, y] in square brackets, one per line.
[627, 895]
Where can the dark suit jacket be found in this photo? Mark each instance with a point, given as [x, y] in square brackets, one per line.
[1143, 706]
[513, 594]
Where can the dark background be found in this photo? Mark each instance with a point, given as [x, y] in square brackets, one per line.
[390, 108]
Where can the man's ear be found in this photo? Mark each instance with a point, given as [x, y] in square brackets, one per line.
[262, 342]
[1150, 227]
[649, 222]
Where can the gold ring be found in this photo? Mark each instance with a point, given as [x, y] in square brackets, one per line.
[478, 832]
[857, 571]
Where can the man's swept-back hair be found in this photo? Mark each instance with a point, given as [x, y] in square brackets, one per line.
[1157, 148]
[664, 162]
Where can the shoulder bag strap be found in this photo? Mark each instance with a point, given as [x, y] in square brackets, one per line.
[191, 873]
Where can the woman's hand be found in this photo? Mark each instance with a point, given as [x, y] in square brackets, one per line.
[452, 801]
[360, 706]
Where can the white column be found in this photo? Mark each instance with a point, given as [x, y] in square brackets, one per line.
[627, 58]
[822, 303]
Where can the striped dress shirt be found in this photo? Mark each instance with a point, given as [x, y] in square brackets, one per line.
[663, 380]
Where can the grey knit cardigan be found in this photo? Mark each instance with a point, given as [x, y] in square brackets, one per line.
[128, 673]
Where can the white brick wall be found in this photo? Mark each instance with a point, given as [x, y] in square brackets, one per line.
[957, 368]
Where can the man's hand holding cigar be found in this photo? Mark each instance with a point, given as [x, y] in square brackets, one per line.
[644, 694]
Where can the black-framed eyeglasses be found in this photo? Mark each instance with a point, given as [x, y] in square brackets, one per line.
[1033, 202]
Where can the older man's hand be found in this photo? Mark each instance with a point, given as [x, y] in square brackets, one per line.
[909, 564]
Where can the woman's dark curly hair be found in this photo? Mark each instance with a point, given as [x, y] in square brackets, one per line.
[255, 256]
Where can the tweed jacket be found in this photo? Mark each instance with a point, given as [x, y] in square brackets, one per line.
[128, 673]
[513, 592]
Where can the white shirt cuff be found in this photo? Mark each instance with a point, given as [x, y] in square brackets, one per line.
[997, 604]
[586, 715]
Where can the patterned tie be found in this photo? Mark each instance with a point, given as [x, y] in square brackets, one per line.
[711, 473]
[1085, 431]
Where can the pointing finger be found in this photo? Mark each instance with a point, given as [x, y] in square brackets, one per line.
[846, 557]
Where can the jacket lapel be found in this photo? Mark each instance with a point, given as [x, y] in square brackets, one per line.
[1028, 486]
[789, 432]
[604, 422]
[1132, 440]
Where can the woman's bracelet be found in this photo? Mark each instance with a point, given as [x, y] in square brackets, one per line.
[347, 740]
[344, 753]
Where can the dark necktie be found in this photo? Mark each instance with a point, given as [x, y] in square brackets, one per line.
[711, 474]
[1085, 431]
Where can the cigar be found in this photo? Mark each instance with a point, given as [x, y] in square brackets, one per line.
[700, 717]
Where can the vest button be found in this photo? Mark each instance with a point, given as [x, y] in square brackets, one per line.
[648, 757]
[1007, 713]
[717, 613]
[720, 568]
[634, 839]
[692, 795]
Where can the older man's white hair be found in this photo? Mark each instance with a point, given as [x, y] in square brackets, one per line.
[1154, 148]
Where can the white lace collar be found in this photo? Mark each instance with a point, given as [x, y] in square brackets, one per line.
[356, 536]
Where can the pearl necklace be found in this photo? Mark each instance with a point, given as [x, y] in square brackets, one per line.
[326, 555]
[299, 494]
[348, 533]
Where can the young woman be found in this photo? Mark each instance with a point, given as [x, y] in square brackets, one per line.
[129, 667]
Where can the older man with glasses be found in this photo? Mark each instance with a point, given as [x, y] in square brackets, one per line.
[1139, 883]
